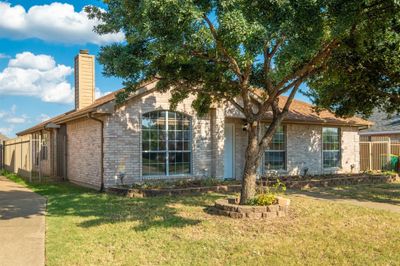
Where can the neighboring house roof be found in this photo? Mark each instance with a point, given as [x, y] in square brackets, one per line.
[299, 112]
[383, 124]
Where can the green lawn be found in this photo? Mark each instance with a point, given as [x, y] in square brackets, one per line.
[88, 228]
[384, 193]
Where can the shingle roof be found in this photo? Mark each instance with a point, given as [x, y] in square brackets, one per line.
[384, 123]
[299, 111]
[71, 114]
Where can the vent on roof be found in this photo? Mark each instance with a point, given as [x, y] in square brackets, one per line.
[84, 79]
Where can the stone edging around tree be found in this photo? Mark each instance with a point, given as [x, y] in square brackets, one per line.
[229, 207]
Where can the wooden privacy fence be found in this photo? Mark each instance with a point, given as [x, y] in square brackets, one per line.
[22, 156]
[17, 156]
[379, 154]
[1, 155]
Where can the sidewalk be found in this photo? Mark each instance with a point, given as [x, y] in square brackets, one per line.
[22, 225]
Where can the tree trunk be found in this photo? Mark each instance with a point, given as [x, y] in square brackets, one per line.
[252, 160]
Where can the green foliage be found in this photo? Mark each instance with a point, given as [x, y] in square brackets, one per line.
[174, 41]
[210, 181]
[267, 194]
[183, 183]
[364, 72]
[264, 199]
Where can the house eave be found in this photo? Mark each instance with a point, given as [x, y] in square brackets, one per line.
[375, 133]
[307, 122]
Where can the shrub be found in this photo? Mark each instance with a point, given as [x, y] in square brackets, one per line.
[263, 199]
[267, 194]
[210, 181]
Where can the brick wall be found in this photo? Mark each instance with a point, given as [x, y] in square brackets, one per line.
[122, 138]
[217, 142]
[84, 152]
[304, 149]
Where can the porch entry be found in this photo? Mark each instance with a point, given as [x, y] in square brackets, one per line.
[229, 149]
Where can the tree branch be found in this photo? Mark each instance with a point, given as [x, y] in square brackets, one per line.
[322, 54]
[236, 104]
[234, 65]
[278, 117]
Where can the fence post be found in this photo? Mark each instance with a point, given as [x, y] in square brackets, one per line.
[389, 153]
[31, 158]
[370, 155]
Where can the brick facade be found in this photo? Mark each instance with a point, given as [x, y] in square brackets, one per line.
[304, 150]
[123, 145]
[122, 139]
[84, 152]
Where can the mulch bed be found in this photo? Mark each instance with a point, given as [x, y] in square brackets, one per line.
[297, 182]
[290, 182]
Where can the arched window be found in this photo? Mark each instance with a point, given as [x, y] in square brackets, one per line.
[166, 144]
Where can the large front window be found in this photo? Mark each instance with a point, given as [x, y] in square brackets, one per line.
[166, 143]
[331, 147]
[275, 155]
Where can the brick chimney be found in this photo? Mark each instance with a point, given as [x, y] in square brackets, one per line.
[84, 79]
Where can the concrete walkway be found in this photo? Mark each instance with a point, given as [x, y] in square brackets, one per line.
[362, 203]
[22, 225]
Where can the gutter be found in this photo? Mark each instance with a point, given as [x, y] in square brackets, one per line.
[89, 115]
[372, 133]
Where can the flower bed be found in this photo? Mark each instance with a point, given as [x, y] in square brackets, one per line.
[230, 208]
[189, 187]
[331, 180]
[148, 192]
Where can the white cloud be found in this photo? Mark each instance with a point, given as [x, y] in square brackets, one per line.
[43, 117]
[16, 120]
[13, 108]
[38, 76]
[6, 130]
[56, 22]
[27, 60]
[98, 93]
[10, 116]
[4, 56]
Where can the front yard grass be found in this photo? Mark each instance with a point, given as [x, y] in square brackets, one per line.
[88, 228]
[383, 193]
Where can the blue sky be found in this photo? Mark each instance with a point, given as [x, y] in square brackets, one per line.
[38, 42]
[19, 110]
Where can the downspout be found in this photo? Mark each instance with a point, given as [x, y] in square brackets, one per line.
[102, 149]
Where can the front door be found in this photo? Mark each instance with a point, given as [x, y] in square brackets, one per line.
[229, 145]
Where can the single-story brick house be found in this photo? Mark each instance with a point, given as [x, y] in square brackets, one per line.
[99, 141]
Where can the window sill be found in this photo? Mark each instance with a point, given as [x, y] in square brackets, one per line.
[282, 171]
[144, 177]
[332, 168]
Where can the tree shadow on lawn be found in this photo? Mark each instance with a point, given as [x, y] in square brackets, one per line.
[382, 193]
[69, 200]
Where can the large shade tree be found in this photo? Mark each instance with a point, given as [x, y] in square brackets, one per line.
[223, 51]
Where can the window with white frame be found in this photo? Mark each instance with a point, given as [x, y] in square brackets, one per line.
[275, 155]
[330, 147]
[166, 143]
